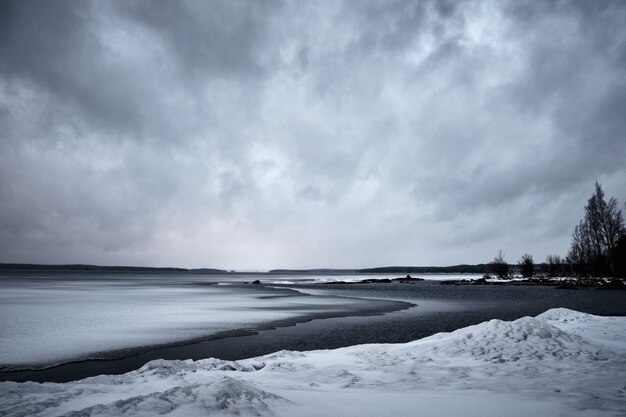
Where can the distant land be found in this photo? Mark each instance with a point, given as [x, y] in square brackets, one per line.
[455, 269]
[99, 268]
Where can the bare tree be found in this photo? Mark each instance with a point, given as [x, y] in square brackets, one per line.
[580, 253]
[526, 265]
[555, 265]
[499, 265]
[596, 237]
[619, 256]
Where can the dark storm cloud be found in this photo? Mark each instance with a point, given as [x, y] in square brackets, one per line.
[216, 39]
[240, 134]
[76, 51]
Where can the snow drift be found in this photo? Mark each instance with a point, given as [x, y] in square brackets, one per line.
[561, 362]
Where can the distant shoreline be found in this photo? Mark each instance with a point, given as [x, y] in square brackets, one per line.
[100, 268]
[454, 269]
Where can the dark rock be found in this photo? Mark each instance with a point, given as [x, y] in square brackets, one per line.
[374, 281]
[407, 279]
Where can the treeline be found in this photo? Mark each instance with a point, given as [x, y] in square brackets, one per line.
[598, 247]
[320, 271]
[454, 269]
[100, 268]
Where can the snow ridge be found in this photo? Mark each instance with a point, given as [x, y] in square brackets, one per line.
[228, 395]
[527, 338]
[560, 363]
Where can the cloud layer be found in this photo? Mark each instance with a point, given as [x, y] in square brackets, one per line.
[305, 134]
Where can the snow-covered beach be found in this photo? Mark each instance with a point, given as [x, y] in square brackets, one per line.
[559, 363]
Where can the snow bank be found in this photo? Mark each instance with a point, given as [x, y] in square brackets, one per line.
[226, 396]
[560, 363]
[526, 339]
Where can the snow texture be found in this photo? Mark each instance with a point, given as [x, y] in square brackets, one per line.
[560, 363]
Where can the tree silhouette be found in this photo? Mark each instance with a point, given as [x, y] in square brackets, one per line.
[499, 265]
[555, 265]
[596, 237]
[527, 266]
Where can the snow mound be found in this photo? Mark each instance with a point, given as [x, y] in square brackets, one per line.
[284, 354]
[526, 338]
[228, 396]
[164, 367]
[565, 314]
[560, 363]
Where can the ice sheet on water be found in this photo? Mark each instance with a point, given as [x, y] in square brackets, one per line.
[44, 322]
[548, 371]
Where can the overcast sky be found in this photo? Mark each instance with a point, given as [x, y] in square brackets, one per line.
[268, 134]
